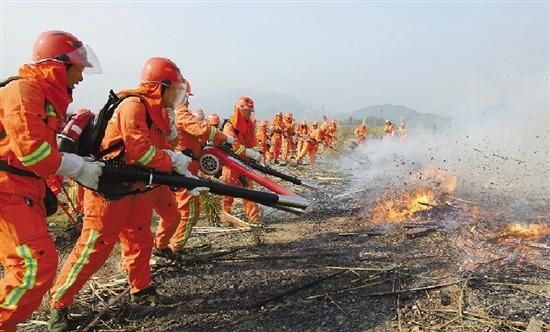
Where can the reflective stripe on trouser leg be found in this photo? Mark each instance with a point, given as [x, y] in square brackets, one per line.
[29, 258]
[189, 217]
[103, 221]
[81, 261]
[28, 280]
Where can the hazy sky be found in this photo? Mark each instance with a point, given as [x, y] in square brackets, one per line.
[431, 56]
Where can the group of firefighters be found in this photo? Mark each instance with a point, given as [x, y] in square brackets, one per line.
[282, 139]
[361, 132]
[149, 127]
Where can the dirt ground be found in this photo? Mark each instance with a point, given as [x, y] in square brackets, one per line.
[332, 269]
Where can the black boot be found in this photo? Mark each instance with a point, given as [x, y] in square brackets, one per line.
[164, 253]
[59, 320]
[148, 296]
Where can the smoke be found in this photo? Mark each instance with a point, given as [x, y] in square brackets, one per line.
[500, 154]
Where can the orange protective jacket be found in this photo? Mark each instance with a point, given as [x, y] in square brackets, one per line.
[302, 131]
[193, 133]
[389, 129]
[277, 127]
[261, 135]
[130, 124]
[361, 131]
[243, 131]
[32, 110]
[288, 129]
[325, 130]
[315, 135]
[333, 129]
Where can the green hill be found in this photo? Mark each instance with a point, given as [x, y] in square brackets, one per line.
[377, 114]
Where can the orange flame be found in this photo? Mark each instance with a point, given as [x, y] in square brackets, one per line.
[432, 188]
[531, 232]
[398, 207]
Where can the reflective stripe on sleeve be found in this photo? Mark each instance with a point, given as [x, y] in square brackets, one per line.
[38, 155]
[212, 134]
[147, 156]
[50, 110]
[240, 150]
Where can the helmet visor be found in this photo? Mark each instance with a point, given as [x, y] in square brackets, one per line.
[181, 96]
[85, 57]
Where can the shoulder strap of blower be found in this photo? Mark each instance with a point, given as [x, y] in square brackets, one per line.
[93, 134]
[226, 121]
[4, 166]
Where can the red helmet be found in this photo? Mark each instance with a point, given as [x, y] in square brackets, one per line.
[63, 46]
[245, 103]
[213, 119]
[163, 71]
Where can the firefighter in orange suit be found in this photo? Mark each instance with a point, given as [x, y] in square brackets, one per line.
[302, 132]
[33, 108]
[402, 130]
[288, 146]
[263, 139]
[361, 133]
[276, 127]
[332, 132]
[126, 220]
[165, 204]
[240, 127]
[389, 129]
[311, 144]
[170, 239]
[324, 130]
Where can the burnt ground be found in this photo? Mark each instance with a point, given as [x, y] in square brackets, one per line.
[331, 269]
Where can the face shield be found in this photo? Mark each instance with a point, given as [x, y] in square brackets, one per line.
[247, 112]
[179, 92]
[85, 57]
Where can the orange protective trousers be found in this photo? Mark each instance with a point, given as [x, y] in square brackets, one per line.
[288, 148]
[265, 151]
[309, 148]
[105, 222]
[276, 141]
[251, 209]
[166, 206]
[28, 255]
[175, 232]
[299, 147]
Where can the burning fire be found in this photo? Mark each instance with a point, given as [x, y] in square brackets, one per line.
[532, 232]
[431, 188]
[398, 207]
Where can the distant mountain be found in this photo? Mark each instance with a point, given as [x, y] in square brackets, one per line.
[379, 113]
[266, 103]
